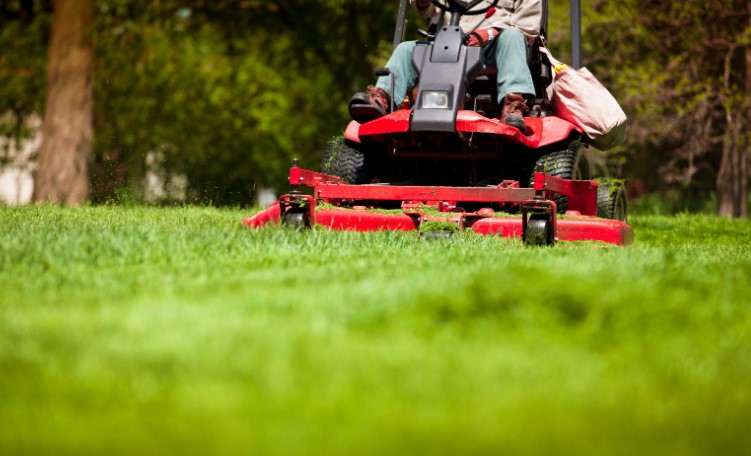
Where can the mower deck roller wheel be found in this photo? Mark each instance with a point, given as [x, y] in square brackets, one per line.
[539, 230]
[345, 160]
[569, 163]
[612, 202]
[296, 220]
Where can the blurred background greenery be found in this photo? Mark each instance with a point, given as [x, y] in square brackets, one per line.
[217, 96]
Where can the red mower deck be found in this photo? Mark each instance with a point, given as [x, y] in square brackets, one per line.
[354, 208]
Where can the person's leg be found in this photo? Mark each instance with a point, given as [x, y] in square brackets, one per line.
[511, 60]
[514, 78]
[404, 73]
[374, 102]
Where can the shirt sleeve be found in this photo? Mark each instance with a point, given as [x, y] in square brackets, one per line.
[527, 16]
[524, 15]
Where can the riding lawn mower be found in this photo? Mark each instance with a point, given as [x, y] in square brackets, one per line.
[444, 156]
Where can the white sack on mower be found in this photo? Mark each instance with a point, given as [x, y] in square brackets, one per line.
[581, 99]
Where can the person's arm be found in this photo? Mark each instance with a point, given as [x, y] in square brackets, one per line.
[425, 8]
[482, 37]
[525, 16]
[487, 30]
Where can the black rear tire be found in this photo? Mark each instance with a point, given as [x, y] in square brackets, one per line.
[569, 163]
[346, 160]
[612, 202]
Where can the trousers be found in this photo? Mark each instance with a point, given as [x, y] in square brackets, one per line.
[510, 55]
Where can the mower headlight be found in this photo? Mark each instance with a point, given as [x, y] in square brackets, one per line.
[435, 99]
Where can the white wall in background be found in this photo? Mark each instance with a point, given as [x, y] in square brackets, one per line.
[16, 178]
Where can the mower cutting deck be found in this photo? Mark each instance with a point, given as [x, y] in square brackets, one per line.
[339, 206]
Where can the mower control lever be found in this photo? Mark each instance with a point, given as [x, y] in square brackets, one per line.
[426, 34]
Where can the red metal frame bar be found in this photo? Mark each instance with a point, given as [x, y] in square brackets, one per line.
[582, 194]
[299, 176]
[423, 193]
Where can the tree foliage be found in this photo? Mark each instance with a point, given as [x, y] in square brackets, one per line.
[24, 36]
[681, 71]
[221, 93]
[224, 93]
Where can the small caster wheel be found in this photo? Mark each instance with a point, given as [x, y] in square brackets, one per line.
[435, 235]
[539, 230]
[296, 219]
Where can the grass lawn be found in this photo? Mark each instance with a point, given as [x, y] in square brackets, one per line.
[131, 330]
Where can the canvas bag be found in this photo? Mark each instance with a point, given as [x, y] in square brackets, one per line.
[578, 97]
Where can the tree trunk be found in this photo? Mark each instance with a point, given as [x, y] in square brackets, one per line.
[733, 175]
[732, 179]
[63, 159]
[746, 151]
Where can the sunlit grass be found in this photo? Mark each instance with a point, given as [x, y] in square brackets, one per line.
[132, 330]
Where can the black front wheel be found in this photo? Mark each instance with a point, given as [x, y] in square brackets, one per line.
[348, 161]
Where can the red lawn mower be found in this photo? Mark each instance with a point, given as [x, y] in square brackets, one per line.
[457, 163]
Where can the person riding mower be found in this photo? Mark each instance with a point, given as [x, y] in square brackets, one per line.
[504, 32]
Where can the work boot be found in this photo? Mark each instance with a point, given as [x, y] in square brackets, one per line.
[374, 103]
[513, 110]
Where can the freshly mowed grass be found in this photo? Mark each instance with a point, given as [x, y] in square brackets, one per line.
[131, 330]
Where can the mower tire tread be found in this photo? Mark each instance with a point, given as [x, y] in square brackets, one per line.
[612, 202]
[569, 163]
[344, 159]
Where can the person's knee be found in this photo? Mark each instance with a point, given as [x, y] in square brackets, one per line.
[404, 49]
[512, 35]
[401, 58]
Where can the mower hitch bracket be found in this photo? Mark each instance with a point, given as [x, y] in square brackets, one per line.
[582, 194]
